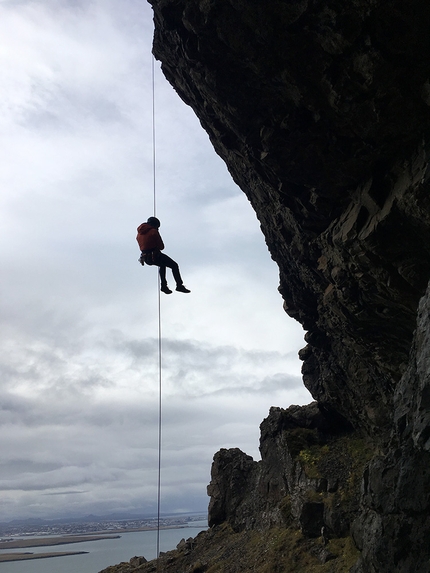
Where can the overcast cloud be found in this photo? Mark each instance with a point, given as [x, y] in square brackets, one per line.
[78, 364]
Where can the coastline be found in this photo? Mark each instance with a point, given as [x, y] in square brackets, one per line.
[64, 540]
[7, 557]
[48, 541]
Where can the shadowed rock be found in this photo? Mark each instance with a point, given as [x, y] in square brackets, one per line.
[321, 111]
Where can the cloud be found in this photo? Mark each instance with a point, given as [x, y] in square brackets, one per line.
[79, 375]
[94, 420]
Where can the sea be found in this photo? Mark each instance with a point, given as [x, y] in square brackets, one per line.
[104, 552]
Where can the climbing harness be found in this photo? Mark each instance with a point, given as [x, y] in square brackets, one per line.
[150, 257]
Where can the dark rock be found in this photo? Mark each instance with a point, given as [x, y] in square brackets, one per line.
[311, 518]
[232, 477]
[136, 561]
[322, 554]
[394, 528]
[321, 111]
[300, 455]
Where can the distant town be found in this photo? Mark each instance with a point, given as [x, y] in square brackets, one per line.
[91, 525]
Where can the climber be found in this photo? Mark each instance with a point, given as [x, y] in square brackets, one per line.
[151, 244]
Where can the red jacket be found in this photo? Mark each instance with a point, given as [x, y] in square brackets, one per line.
[149, 238]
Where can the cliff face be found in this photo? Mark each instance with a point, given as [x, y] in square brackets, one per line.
[321, 111]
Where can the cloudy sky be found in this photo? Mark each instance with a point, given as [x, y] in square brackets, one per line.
[78, 356]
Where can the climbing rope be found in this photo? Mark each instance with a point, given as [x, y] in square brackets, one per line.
[159, 419]
[160, 362]
[154, 197]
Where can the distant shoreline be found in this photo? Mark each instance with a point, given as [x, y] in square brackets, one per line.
[46, 542]
[5, 557]
[64, 540]
[49, 541]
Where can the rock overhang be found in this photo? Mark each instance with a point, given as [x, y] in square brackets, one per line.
[321, 113]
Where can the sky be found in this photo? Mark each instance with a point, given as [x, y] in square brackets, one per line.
[79, 378]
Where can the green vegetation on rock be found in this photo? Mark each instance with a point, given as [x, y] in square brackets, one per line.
[278, 550]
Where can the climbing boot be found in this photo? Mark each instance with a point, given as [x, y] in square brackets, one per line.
[182, 288]
[165, 289]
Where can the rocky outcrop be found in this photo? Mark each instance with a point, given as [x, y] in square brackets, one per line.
[220, 549]
[308, 476]
[393, 530]
[321, 111]
[131, 566]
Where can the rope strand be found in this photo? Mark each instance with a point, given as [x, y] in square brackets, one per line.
[159, 418]
[153, 139]
[160, 362]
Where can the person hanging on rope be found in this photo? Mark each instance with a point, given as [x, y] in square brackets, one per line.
[151, 244]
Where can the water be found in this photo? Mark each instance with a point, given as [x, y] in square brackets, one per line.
[102, 553]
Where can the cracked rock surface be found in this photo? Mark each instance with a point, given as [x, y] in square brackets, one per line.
[321, 111]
